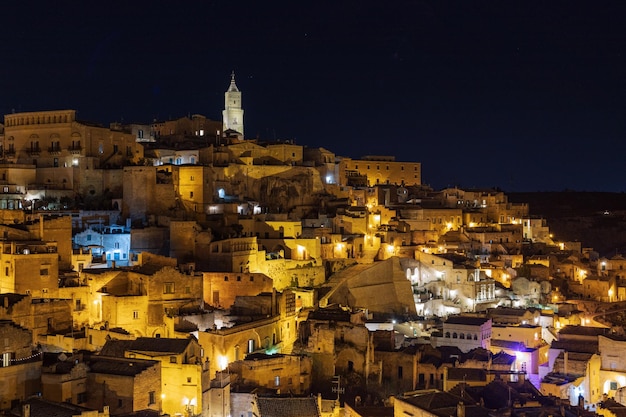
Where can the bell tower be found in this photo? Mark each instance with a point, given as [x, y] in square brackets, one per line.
[232, 116]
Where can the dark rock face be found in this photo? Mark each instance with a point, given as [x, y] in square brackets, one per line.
[598, 220]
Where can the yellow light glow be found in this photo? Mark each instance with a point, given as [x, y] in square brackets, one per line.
[222, 361]
[449, 226]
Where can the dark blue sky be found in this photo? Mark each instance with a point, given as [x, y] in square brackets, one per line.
[526, 96]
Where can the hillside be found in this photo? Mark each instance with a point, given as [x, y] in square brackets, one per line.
[596, 219]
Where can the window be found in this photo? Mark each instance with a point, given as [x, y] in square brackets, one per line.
[190, 194]
[120, 403]
[172, 359]
[117, 245]
[277, 381]
[136, 314]
[191, 178]
[80, 398]
[251, 279]
[238, 278]
[168, 288]
[89, 238]
[189, 380]
[115, 148]
[43, 271]
[151, 398]
[225, 278]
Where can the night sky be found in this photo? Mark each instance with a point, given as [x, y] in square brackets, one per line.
[525, 96]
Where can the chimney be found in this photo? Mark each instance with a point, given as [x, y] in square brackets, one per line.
[460, 409]
[25, 410]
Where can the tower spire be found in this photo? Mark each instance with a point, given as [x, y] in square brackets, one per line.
[233, 86]
[232, 115]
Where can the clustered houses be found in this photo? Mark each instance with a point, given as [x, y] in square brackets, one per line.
[179, 268]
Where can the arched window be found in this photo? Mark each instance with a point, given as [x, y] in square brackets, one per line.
[448, 335]
[462, 336]
[454, 335]
[469, 336]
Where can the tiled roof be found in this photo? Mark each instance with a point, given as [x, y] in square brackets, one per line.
[578, 346]
[118, 366]
[467, 374]
[511, 344]
[157, 345]
[502, 358]
[44, 408]
[288, 407]
[471, 321]
[10, 299]
[584, 330]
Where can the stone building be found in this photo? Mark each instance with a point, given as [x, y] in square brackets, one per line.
[221, 288]
[20, 372]
[95, 381]
[139, 299]
[30, 267]
[380, 170]
[267, 324]
[183, 374]
[67, 155]
[465, 332]
[283, 373]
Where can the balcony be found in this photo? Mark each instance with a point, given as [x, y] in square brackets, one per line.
[34, 151]
[54, 150]
[10, 154]
[75, 149]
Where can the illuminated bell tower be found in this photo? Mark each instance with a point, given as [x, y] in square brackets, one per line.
[233, 113]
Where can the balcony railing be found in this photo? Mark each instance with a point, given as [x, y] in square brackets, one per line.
[54, 150]
[75, 150]
[34, 151]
